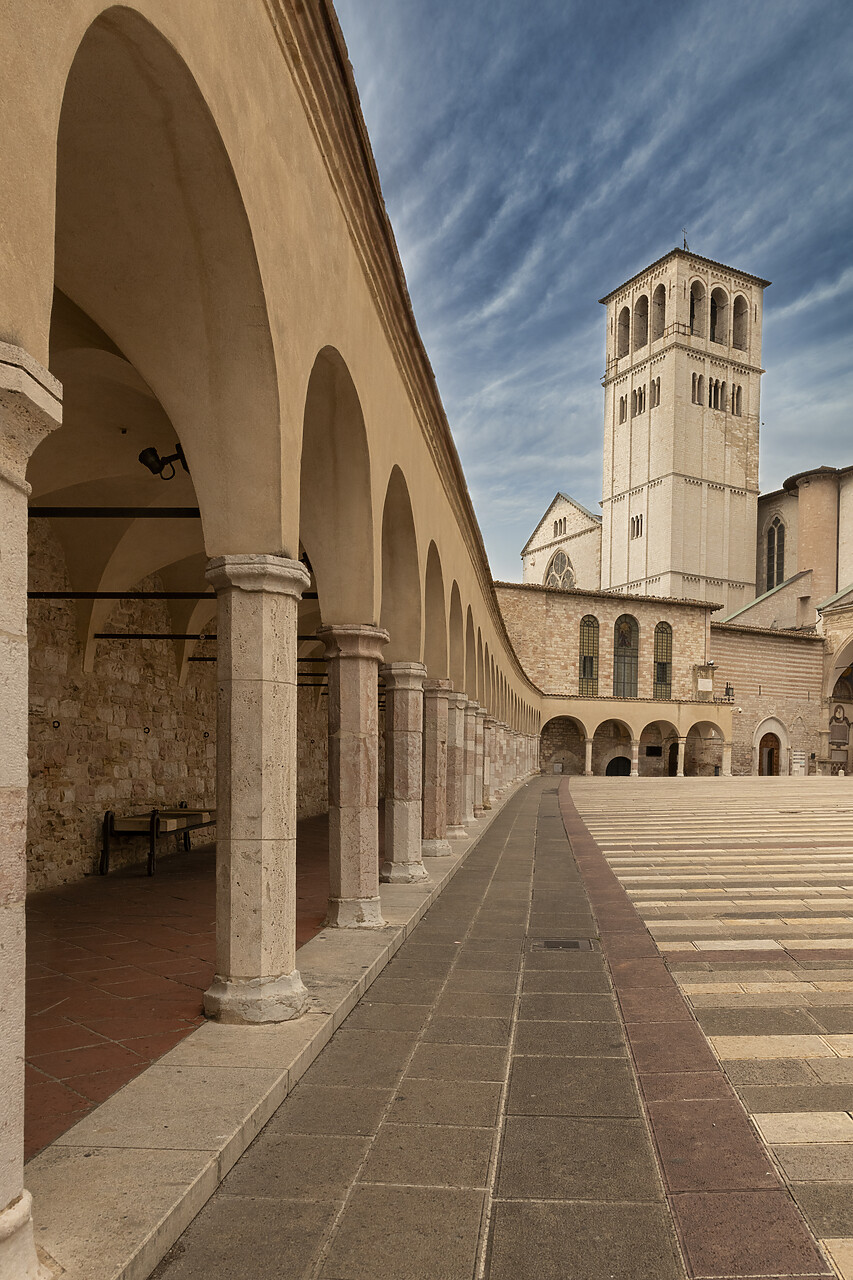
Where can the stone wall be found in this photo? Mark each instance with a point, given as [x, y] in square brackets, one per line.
[775, 677]
[544, 626]
[123, 737]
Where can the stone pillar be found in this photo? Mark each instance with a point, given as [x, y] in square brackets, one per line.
[456, 704]
[436, 731]
[30, 408]
[479, 759]
[471, 710]
[679, 772]
[635, 757]
[404, 718]
[354, 653]
[256, 978]
[727, 760]
[488, 748]
[587, 766]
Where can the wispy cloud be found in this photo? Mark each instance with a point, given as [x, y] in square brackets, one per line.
[534, 155]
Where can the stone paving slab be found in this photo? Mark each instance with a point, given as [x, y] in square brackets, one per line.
[116, 1191]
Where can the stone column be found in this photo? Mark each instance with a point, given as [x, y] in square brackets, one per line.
[436, 696]
[727, 760]
[635, 757]
[256, 978]
[471, 710]
[679, 772]
[354, 653]
[488, 748]
[404, 718]
[456, 704]
[479, 759]
[587, 766]
[30, 408]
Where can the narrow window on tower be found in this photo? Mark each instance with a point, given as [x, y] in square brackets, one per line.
[693, 392]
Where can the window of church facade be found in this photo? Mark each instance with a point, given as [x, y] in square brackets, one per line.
[663, 661]
[623, 332]
[626, 652]
[641, 322]
[698, 389]
[623, 408]
[775, 554]
[658, 312]
[719, 316]
[588, 666]
[654, 393]
[697, 309]
[740, 323]
[636, 526]
[559, 572]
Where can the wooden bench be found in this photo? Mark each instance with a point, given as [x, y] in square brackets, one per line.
[156, 822]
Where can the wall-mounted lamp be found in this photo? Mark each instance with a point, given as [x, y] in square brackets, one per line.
[151, 459]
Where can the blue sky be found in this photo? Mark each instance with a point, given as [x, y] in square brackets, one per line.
[536, 153]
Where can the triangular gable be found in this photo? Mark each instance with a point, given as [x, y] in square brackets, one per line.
[595, 521]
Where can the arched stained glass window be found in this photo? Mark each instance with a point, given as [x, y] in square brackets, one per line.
[775, 554]
[663, 661]
[588, 667]
[560, 572]
[626, 651]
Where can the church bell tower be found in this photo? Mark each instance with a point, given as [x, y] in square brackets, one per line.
[681, 418]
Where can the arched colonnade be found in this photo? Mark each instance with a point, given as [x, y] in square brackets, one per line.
[216, 293]
[593, 739]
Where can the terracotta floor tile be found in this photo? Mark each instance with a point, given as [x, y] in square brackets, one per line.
[100, 1085]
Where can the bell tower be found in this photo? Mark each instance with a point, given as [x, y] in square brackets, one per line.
[681, 417]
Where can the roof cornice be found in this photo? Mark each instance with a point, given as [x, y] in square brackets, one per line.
[312, 44]
[693, 257]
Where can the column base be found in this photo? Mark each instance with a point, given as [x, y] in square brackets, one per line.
[479, 810]
[249, 1001]
[456, 832]
[355, 913]
[18, 1259]
[402, 872]
[435, 849]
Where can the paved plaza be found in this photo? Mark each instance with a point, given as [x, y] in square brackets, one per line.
[669, 1095]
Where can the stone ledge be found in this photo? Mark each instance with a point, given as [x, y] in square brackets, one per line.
[113, 1194]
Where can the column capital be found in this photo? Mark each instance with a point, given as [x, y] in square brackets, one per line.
[353, 640]
[438, 688]
[482, 712]
[460, 701]
[275, 575]
[30, 408]
[490, 721]
[473, 705]
[403, 675]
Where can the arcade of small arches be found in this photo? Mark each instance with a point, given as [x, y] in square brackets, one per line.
[608, 744]
[716, 320]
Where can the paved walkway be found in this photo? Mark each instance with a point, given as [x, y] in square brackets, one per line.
[747, 887]
[503, 1106]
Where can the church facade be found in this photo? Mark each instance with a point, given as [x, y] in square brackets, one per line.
[682, 520]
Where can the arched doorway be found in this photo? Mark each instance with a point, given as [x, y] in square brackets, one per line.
[769, 751]
[672, 763]
[618, 767]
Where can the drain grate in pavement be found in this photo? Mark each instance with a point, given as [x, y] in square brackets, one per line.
[561, 944]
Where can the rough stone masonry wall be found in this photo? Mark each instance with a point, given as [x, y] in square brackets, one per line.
[544, 626]
[772, 675]
[125, 736]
